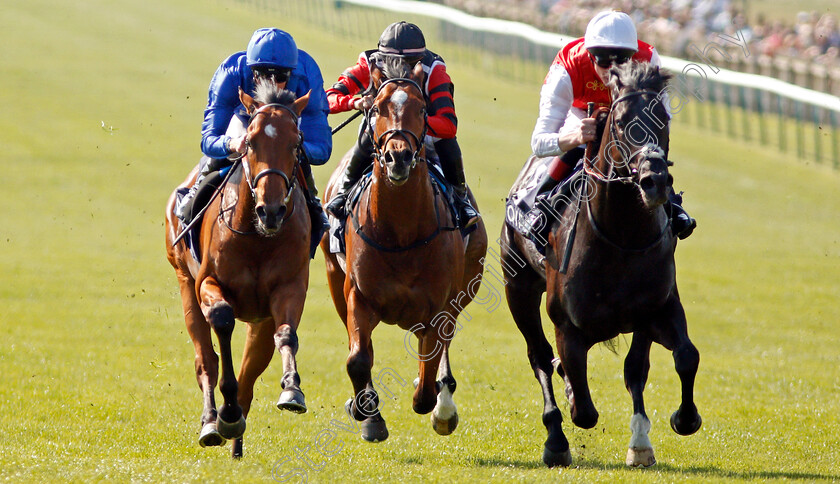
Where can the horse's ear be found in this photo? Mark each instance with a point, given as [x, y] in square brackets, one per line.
[417, 73]
[247, 101]
[614, 82]
[301, 103]
[376, 74]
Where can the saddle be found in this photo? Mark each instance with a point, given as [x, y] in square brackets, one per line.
[532, 213]
[194, 207]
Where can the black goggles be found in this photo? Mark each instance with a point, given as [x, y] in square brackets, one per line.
[277, 74]
[606, 58]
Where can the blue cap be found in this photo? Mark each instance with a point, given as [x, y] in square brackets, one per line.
[272, 47]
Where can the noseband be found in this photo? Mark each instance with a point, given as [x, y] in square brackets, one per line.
[382, 140]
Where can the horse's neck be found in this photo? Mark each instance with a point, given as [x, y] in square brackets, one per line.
[242, 217]
[619, 211]
[404, 212]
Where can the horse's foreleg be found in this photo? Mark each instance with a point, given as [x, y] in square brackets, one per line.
[636, 368]
[672, 333]
[523, 297]
[364, 406]
[206, 361]
[335, 281]
[445, 414]
[572, 349]
[230, 422]
[429, 353]
[259, 348]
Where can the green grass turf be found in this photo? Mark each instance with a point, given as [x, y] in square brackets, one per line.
[102, 103]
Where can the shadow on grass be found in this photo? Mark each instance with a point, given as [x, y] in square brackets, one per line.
[704, 471]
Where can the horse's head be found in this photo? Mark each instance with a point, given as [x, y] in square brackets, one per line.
[397, 116]
[638, 130]
[274, 143]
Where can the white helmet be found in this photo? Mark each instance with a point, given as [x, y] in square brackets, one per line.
[611, 29]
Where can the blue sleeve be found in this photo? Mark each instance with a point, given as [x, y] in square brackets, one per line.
[222, 102]
[317, 136]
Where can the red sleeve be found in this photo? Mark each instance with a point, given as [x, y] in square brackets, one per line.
[352, 81]
[442, 120]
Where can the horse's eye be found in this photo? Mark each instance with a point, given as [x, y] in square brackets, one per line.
[620, 124]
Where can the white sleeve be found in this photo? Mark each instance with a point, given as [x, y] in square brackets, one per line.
[556, 98]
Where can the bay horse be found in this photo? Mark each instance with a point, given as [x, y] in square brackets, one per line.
[406, 264]
[619, 275]
[254, 250]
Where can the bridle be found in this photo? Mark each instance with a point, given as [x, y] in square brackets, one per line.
[613, 176]
[378, 144]
[290, 181]
[408, 136]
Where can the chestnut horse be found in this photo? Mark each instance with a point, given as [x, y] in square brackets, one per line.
[254, 267]
[619, 275]
[403, 266]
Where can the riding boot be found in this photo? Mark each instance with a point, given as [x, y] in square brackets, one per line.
[206, 166]
[320, 224]
[453, 169]
[682, 224]
[359, 161]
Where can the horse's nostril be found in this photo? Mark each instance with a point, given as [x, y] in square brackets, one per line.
[260, 211]
[646, 183]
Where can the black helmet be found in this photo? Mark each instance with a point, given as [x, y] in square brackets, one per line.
[402, 38]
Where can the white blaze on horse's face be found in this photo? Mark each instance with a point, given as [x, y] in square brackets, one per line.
[271, 131]
[398, 99]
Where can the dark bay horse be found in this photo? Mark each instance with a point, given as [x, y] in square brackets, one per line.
[403, 265]
[618, 277]
[254, 267]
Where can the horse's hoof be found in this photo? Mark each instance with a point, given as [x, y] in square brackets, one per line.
[209, 436]
[236, 448]
[555, 459]
[374, 429]
[681, 427]
[292, 400]
[637, 457]
[445, 426]
[231, 430]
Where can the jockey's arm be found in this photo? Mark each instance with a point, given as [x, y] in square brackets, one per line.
[317, 137]
[222, 101]
[556, 97]
[442, 121]
[355, 79]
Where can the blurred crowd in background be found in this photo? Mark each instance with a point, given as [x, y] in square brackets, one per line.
[672, 26]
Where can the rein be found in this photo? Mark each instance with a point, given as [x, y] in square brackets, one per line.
[590, 170]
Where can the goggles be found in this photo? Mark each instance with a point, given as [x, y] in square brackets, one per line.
[278, 74]
[607, 57]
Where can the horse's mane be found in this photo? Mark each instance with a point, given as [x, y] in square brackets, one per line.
[394, 67]
[269, 93]
[638, 76]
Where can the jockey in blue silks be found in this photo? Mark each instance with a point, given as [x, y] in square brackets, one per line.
[271, 56]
